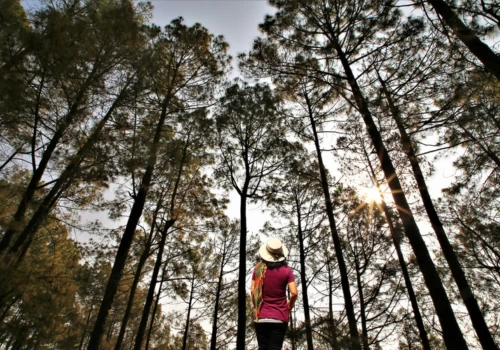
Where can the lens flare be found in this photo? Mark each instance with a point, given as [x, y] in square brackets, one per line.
[371, 194]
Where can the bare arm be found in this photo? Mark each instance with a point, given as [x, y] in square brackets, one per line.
[292, 288]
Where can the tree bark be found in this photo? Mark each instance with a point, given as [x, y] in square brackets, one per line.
[242, 271]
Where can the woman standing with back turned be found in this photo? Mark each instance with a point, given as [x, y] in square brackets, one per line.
[270, 279]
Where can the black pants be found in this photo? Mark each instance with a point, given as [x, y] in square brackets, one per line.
[270, 336]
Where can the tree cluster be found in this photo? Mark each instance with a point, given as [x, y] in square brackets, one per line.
[367, 103]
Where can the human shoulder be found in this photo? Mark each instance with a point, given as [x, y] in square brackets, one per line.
[289, 274]
[286, 269]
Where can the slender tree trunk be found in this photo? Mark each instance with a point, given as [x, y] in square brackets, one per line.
[32, 186]
[155, 308]
[152, 286]
[137, 277]
[362, 305]
[305, 297]
[128, 235]
[351, 317]
[188, 317]
[63, 181]
[179, 173]
[172, 207]
[133, 288]
[25, 246]
[213, 339]
[402, 263]
[483, 52]
[84, 333]
[452, 334]
[42, 166]
[457, 272]
[242, 271]
[333, 326]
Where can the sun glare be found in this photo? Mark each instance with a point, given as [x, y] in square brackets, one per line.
[371, 194]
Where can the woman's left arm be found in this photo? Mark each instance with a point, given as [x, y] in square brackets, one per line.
[292, 288]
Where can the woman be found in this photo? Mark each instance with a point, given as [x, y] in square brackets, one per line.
[270, 279]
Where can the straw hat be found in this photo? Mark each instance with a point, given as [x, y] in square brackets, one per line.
[273, 250]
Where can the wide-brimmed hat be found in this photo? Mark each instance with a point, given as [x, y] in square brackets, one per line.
[273, 250]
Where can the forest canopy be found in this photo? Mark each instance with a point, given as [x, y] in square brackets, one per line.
[344, 117]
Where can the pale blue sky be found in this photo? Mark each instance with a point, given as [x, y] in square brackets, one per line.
[236, 20]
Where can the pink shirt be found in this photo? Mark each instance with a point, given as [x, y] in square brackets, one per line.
[274, 304]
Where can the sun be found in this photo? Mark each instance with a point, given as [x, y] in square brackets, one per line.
[371, 194]
[370, 197]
